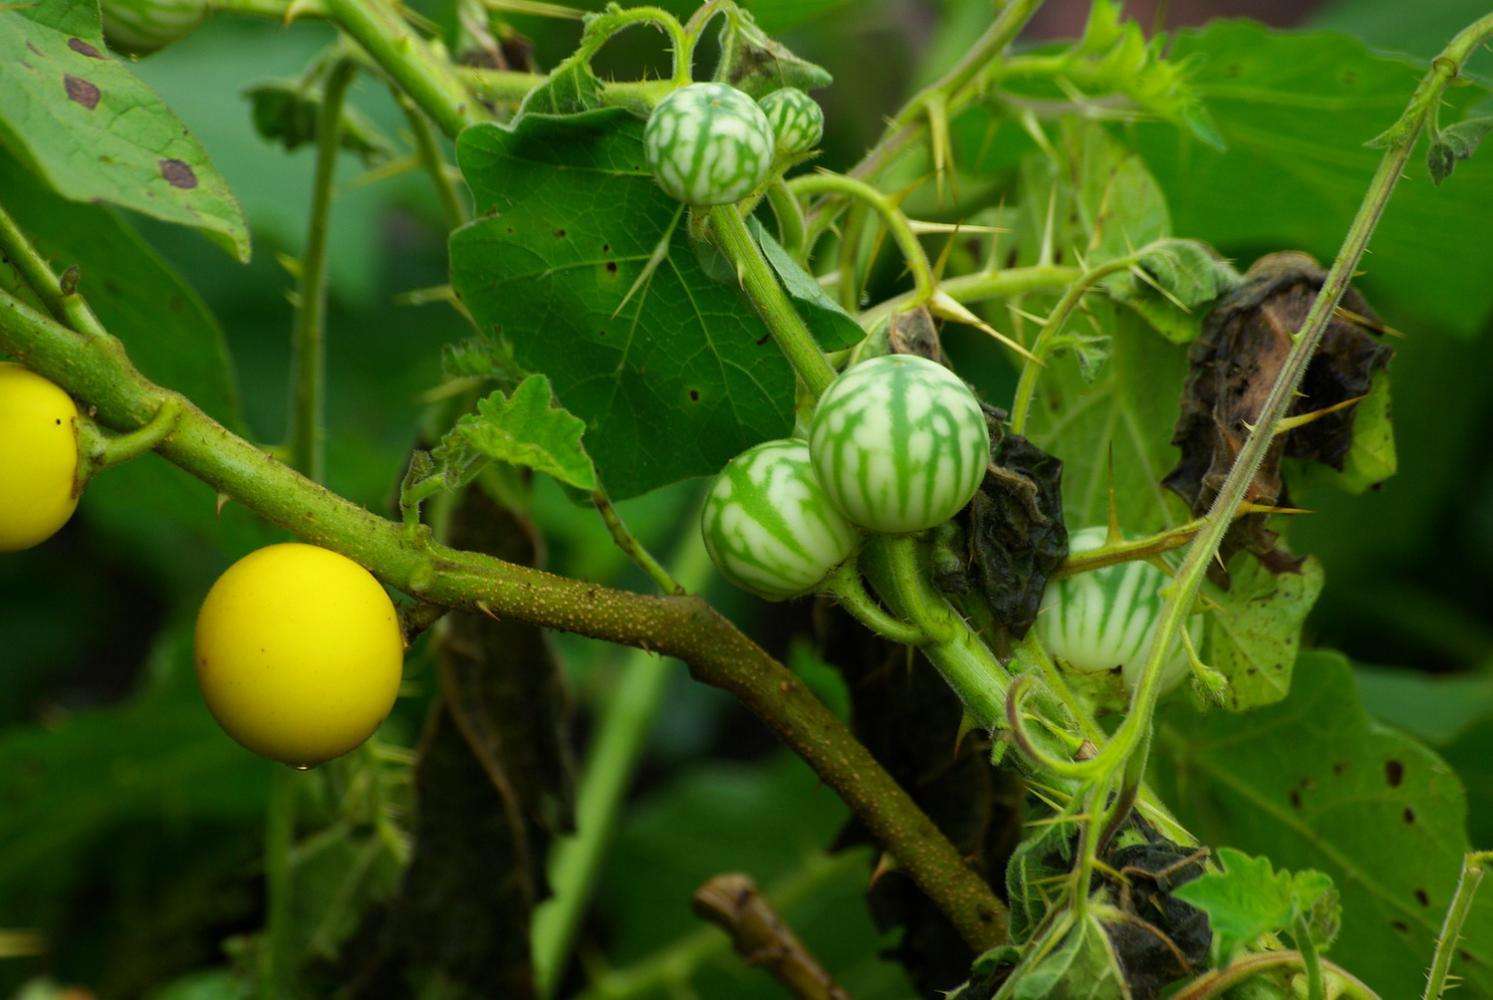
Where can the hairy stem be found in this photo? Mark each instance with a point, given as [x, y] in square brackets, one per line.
[308, 337]
[982, 286]
[717, 653]
[891, 217]
[634, 549]
[790, 218]
[1220, 981]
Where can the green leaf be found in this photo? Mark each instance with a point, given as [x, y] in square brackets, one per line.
[1311, 782]
[1254, 629]
[755, 62]
[568, 89]
[1121, 422]
[1180, 279]
[287, 112]
[526, 429]
[1456, 142]
[80, 120]
[1248, 898]
[1082, 966]
[833, 327]
[1295, 109]
[583, 263]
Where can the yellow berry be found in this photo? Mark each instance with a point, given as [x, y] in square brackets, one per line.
[38, 458]
[299, 653]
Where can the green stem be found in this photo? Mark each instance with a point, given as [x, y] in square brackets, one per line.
[1220, 981]
[1456, 916]
[790, 218]
[99, 450]
[982, 286]
[629, 544]
[276, 962]
[576, 861]
[717, 653]
[846, 587]
[427, 147]
[409, 61]
[308, 338]
[1026, 384]
[1311, 963]
[64, 303]
[510, 87]
[924, 285]
[786, 326]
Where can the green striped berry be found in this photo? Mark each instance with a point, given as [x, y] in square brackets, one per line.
[769, 527]
[797, 120]
[139, 27]
[1105, 619]
[708, 144]
[900, 444]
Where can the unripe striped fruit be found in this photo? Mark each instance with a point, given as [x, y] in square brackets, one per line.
[900, 444]
[38, 458]
[708, 144]
[139, 27]
[768, 525]
[797, 120]
[1105, 618]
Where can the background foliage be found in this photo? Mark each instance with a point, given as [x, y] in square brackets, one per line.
[130, 827]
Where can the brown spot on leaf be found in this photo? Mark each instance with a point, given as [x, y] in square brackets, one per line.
[1233, 365]
[80, 91]
[1400, 926]
[178, 174]
[1422, 897]
[694, 395]
[1394, 773]
[83, 48]
[611, 267]
[1339, 767]
[1295, 799]
[1409, 815]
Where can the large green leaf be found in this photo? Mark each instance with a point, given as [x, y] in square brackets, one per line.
[1295, 111]
[1254, 628]
[1311, 782]
[78, 117]
[584, 264]
[1121, 424]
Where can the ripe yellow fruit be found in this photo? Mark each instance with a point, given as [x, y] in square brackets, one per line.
[299, 653]
[38, 458]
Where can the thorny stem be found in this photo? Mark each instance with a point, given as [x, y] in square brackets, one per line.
[717, 653]
[891, 217]
[982, 286]
[1129, 549]
[308, 338]
[790, 218]
[509, 87]
[911, 123]
[427, 147]
[612, 759]
[1128, 750]
[1456, 916]
[761, 285]
[1026, 384]
[629, 544]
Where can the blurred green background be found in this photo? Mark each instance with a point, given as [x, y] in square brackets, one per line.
[130, 826]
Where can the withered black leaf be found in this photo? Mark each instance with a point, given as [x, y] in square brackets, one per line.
[1233, 365]
[906, 715]
[1013, 532]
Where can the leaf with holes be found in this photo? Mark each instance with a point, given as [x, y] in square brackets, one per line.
[1311, 782]
[525, 429]
[583, 263]
[1254, 628]
[78, 118]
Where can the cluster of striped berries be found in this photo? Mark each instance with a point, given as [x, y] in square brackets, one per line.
[897, 445]
[711, 144]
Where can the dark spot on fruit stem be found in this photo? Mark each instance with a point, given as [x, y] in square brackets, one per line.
[178, 174]
[1394, 773]
[80, 91]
